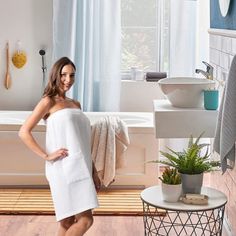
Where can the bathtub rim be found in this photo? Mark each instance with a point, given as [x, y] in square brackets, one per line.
[41, 126]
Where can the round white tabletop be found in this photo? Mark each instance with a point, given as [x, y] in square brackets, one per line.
[179, 219]
[153, 197]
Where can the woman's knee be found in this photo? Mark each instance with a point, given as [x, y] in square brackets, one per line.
[67, 222]
[89, 221]
[86, 219]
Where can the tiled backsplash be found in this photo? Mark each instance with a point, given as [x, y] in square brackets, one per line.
[222, 50]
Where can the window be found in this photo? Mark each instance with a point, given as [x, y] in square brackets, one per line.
[144, 35]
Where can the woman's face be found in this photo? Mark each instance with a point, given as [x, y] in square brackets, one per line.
[67, 77]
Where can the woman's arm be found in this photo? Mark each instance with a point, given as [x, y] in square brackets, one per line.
[25, 132]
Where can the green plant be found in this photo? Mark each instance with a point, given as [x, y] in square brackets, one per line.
[190, 160]
[170, 176]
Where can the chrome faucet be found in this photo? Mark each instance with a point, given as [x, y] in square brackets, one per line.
[209, 70]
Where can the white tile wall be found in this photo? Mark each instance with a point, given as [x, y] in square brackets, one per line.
[233, 45]
[226, 44]
[214, 56]
[224, 60]
[222, 50]
[215, 42]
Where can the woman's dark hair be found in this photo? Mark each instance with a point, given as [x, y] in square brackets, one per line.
[53, 87]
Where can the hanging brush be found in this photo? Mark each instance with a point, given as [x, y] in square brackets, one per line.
[7, 82]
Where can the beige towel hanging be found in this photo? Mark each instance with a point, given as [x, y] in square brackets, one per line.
[109, 141]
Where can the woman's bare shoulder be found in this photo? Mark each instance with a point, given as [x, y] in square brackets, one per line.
[77, 103]
[40, 110]
[43, 106]
[46, 103]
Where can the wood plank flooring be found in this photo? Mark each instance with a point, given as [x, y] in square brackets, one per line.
[46, 225]
[30, 225]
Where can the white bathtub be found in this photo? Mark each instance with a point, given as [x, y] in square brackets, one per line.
[14, 119]
[19, 166]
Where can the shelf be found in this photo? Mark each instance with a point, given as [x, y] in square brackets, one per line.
[172, 122]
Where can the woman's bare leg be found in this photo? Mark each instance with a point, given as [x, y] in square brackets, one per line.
[64, 225]
[61, 231]
[83, 222]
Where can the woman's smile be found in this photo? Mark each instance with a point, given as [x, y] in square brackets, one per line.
[67, 77]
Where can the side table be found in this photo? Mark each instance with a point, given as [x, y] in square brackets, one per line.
[169, 219]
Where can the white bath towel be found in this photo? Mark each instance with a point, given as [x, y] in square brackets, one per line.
[109, 141]
[225, 135]
[70, 178]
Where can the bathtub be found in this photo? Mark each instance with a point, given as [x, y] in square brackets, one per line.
[132, 119]
[19, 166]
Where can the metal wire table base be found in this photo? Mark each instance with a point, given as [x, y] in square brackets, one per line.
[182, 223]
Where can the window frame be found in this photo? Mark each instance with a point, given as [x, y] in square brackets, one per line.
[125, 74]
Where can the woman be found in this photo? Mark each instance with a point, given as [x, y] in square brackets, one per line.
[69, 168]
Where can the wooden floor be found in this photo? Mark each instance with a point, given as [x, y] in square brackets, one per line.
[39, 201]
[29, 225]
[45, 225]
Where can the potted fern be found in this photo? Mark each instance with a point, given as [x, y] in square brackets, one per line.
[171, 185]
[191, 164]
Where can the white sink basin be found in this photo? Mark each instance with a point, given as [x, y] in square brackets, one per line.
[185, 92]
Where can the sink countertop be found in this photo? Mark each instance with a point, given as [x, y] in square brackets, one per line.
[173, 122]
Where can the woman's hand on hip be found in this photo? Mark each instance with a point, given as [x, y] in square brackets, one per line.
[58, 154]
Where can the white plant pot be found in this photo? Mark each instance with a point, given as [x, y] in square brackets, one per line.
[171, 192]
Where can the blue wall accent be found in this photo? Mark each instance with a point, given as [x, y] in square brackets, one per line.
[220, 22]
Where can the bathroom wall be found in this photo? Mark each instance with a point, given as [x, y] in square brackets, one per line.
[138, 96]
[30, 22]
[219, 22]
[222, 50]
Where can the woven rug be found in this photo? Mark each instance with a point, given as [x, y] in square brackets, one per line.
[39, 201]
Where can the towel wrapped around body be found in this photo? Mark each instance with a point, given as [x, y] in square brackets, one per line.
[225, 135]
[70, 178]
[109, 141]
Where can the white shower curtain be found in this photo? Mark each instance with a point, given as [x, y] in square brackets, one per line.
[182, 37]
[89, 32]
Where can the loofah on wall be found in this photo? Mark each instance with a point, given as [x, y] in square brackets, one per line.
[19, 58]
